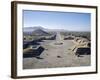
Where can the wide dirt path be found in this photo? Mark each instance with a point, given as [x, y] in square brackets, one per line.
[57, 53]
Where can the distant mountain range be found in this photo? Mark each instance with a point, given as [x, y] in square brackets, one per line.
[31, 29]
[40, 32]
[37, 30]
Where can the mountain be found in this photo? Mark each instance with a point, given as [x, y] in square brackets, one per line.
[40, 32]
[36, 30]
[31, 29]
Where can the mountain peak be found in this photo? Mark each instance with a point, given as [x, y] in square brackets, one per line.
[40, 32]
[31, 29]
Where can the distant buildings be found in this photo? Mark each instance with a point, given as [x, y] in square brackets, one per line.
[70, 37]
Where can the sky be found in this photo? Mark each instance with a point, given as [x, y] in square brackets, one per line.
[57, 20]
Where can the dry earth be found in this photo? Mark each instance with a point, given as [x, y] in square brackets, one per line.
[57, 53]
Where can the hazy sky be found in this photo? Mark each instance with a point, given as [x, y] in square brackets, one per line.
[57, 20]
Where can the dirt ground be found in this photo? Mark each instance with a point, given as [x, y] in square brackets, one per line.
[57, 53]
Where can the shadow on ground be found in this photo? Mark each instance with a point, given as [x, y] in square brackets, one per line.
[83, 51]
[34, 53]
